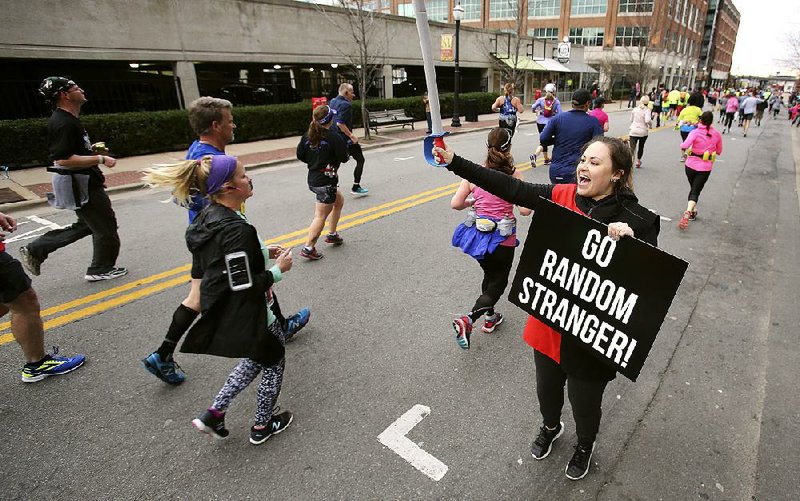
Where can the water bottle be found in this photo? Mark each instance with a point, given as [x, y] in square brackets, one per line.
[506, 225]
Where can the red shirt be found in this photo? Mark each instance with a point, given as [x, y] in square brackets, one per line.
[539, 336]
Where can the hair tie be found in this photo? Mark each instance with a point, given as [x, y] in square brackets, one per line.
[503, 147]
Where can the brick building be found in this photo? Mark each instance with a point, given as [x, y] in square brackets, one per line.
[719, 40]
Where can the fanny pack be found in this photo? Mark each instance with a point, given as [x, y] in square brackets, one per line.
[505, 226]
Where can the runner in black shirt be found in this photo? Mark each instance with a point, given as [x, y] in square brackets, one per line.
[77, 185]
[323, 150]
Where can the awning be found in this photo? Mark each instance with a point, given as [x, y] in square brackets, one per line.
[553, 65]
[523, 63]
[580, 67]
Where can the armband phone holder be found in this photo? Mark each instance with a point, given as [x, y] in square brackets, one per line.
[428, 143]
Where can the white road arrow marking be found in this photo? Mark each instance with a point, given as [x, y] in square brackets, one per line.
[394, 437]
[400, 159]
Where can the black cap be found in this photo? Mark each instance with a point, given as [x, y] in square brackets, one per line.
[51, 86]
[580, 97]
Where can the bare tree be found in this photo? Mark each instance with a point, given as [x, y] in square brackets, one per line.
[506, 47]
[367, 54]
[792, 59]
[632, 58]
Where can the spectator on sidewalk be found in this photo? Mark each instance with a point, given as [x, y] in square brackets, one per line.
[343, 106]
[427, 104]
[18, 297]
[78, 184]
[568, 132]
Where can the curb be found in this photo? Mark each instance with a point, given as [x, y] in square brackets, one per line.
[27, 204]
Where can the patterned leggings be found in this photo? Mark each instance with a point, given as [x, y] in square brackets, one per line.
[245, 373]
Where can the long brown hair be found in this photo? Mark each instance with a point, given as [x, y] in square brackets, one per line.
[498, 156]
[316, 131]
[509, 89]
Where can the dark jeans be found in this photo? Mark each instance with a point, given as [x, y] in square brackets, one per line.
[634, 140]
[496, 267]
[430, 123]
[728, 120]
[97, 219]
[358, 156]
[585, 396]
[697, 179]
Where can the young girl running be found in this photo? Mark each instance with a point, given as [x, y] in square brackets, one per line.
[702, 147]
[235, 291]
[488, 235]
[323, 151]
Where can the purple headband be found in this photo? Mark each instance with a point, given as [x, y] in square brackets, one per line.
[327, 118]
[222, 168]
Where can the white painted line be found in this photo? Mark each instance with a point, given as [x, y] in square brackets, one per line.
[665, 218]
[45, 225]
[394, 437]
[400, 159]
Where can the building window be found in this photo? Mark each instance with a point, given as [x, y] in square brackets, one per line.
[503, 9]
[636, 5]
[674, 45]
[544, 8]
[406, 9]
[546, 33]
[632, 36]
[437, 10]
[472, 10]
[591, 37]
[588, 7]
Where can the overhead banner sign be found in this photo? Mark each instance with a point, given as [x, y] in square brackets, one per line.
[606, 297]
[447, 53]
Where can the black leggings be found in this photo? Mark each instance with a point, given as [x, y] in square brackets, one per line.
[585, 396]
[697, 179]
[541, 128]
[496, 267]
[355, 151]
[640, 140]
[728, 119]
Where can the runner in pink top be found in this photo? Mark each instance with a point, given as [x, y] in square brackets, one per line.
[488, 235]
[702, 145]
[730, 109]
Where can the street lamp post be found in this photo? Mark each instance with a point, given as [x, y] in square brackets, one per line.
[458, 13]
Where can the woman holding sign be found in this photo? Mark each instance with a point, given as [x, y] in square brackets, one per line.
[604, 192]
[488, 235]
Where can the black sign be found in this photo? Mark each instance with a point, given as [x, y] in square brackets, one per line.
[608, 297]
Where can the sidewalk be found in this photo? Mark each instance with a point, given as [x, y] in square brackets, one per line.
[27, 187]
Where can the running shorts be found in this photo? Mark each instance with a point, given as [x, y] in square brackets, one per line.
[748, 116]
[325, 194]
[13, 280]
[673, 106]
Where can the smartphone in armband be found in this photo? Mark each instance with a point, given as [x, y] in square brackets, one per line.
[238, 267]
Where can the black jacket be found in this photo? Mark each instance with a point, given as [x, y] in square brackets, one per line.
[622, 207]
[324, 160]
[233, 324]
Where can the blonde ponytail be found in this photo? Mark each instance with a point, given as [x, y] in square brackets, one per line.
[186, 178]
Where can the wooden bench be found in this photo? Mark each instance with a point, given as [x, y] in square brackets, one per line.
[389, 118]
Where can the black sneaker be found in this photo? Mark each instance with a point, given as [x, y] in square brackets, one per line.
[334, 238]
[578, 466]
[543, 444]
[109, 275]
[214, 426]
[277, 423]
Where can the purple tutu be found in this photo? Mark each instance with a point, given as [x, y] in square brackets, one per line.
[477, 244]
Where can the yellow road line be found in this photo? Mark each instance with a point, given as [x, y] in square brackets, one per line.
[287, 240]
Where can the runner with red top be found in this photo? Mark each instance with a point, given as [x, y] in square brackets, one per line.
[488, 235]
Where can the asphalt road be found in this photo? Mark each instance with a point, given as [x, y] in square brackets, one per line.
[714, 414]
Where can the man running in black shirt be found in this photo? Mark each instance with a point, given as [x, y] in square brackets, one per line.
[78, 184]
